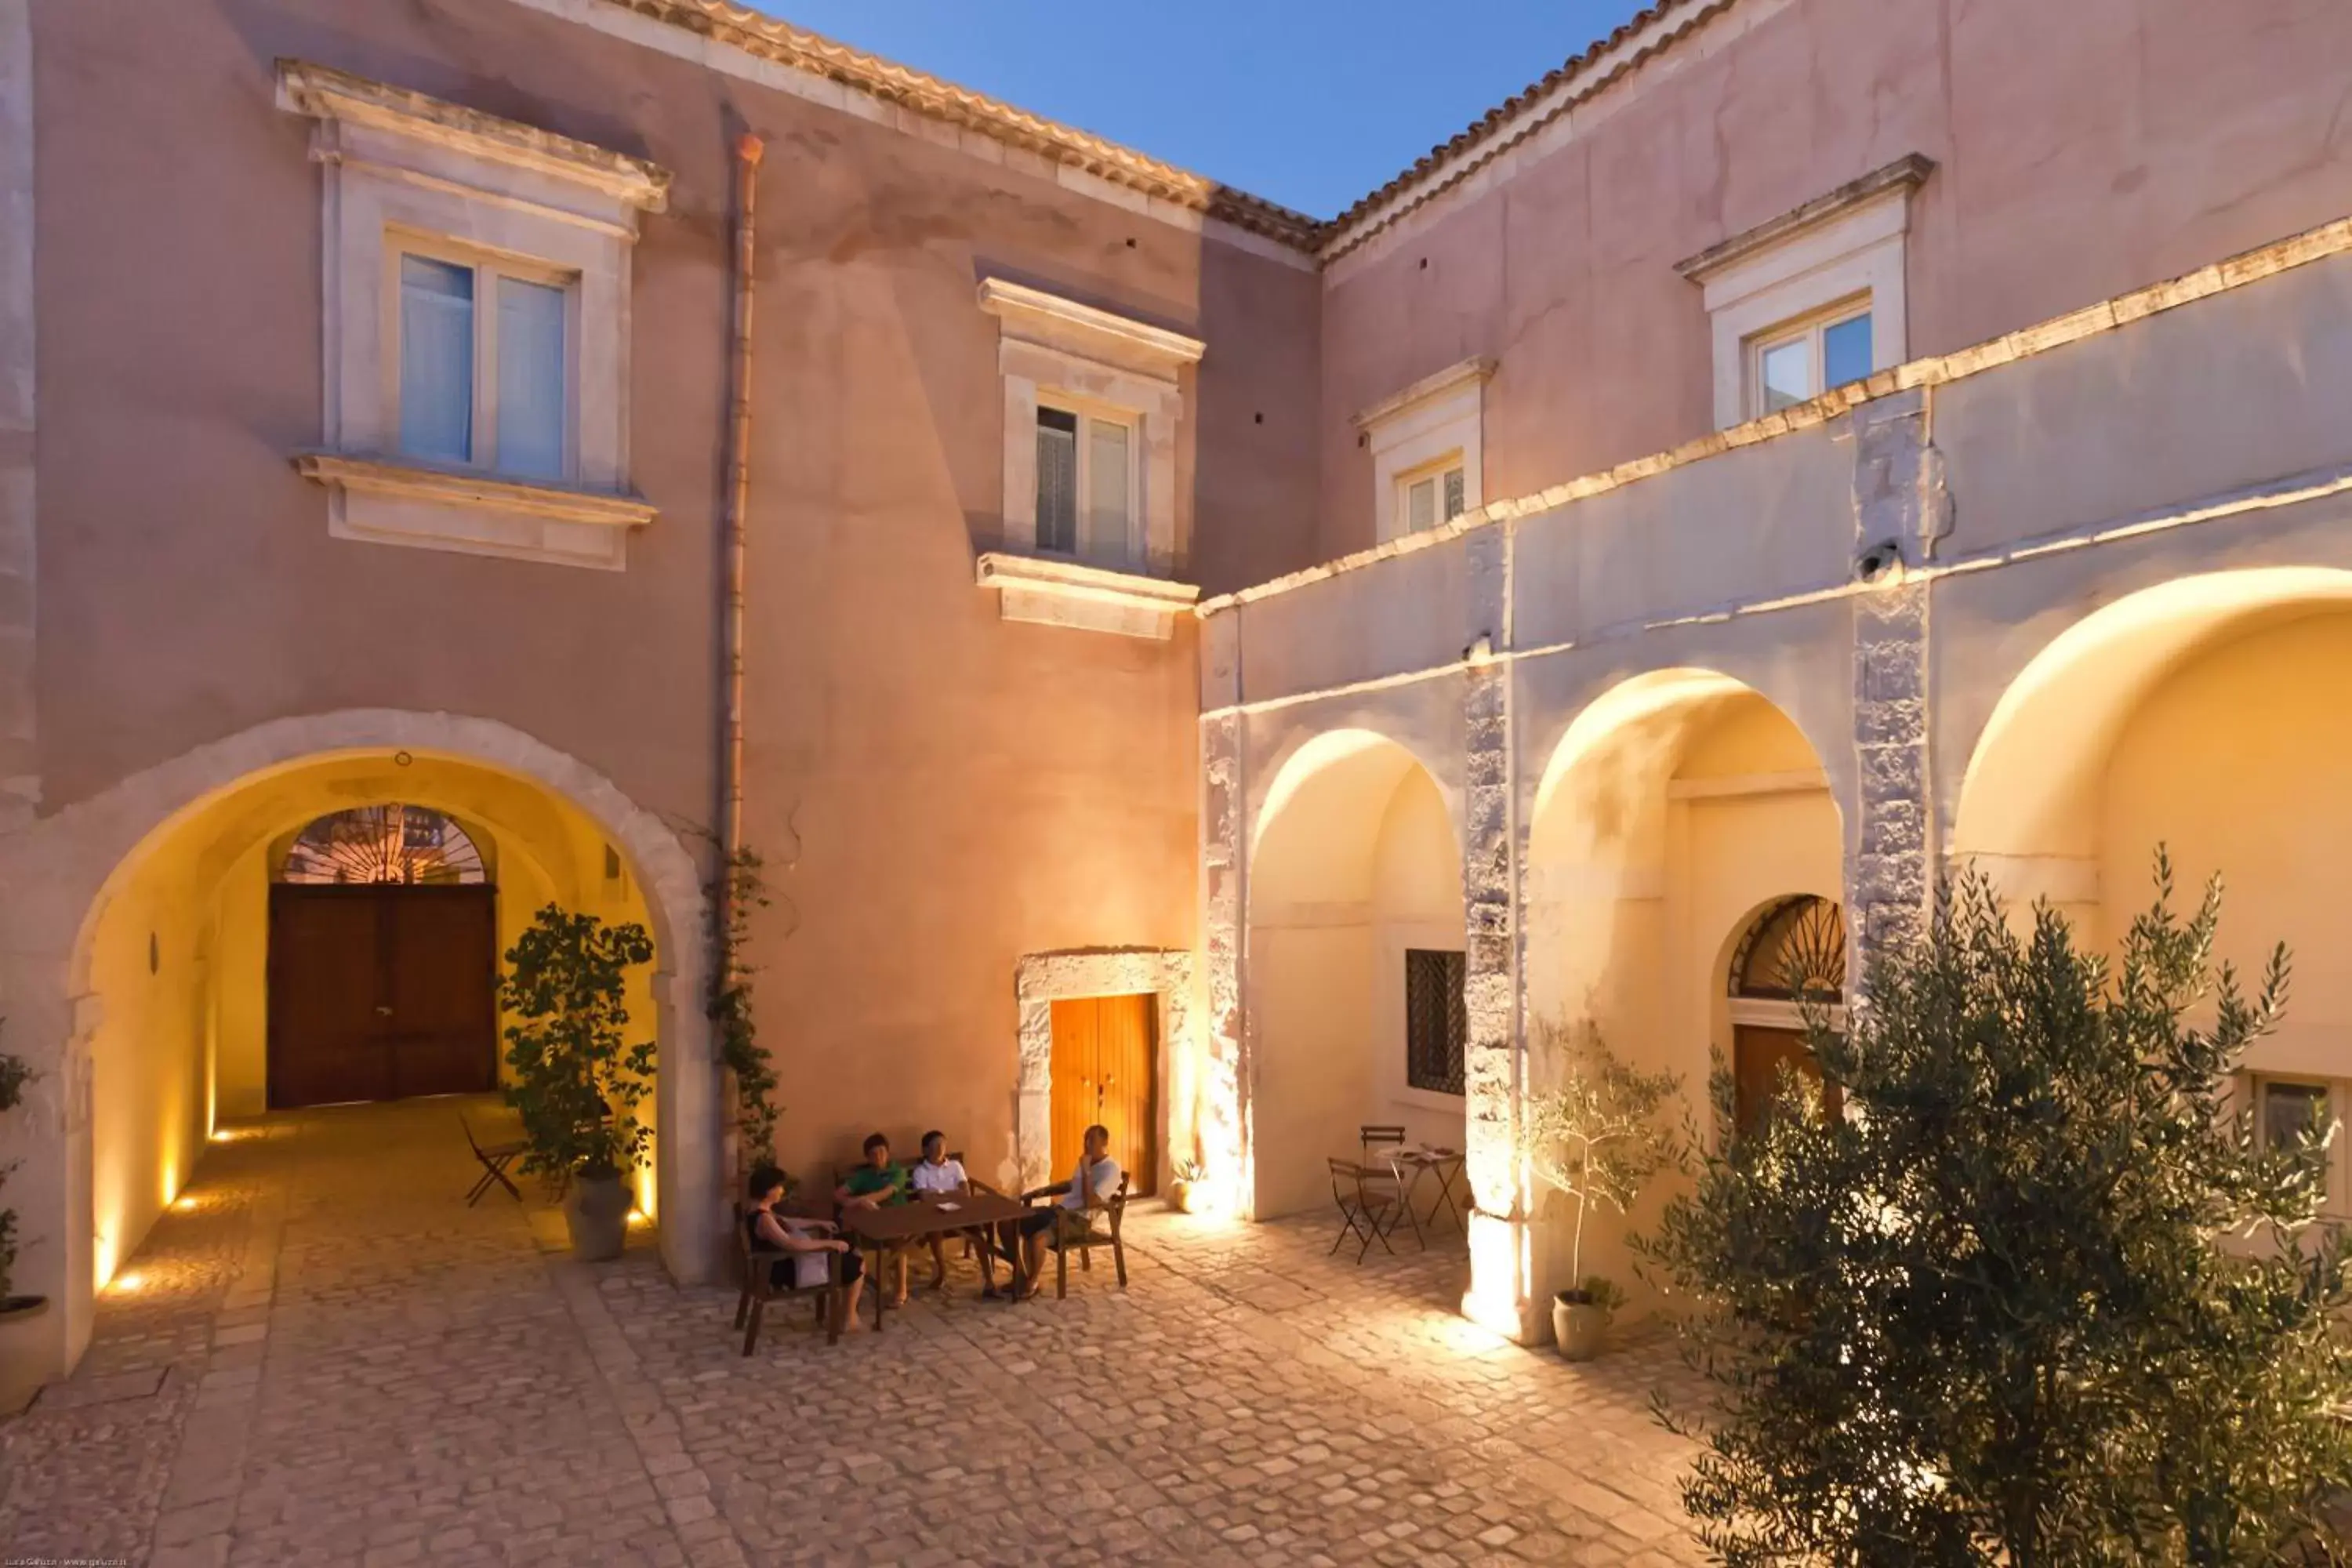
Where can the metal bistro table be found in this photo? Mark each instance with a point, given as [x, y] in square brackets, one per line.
[882, 1230]
[1411, 1162]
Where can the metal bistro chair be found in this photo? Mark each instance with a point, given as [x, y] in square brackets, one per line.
[495, 1158]
[1369, 1205]
[1381, 1170]
[1381, 1135]
[1084, 1245]
[760, 1286]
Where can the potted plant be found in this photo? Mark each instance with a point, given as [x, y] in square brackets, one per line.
[13, 1075]
[577, 1082]
[1183, 1191]
[1597, 1138]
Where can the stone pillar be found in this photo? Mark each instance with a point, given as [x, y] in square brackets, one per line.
[1901, 511]
[1494, 1058]
[1222, 1112]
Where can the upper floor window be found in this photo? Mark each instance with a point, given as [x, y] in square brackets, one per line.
[1435, 495]
[476, 286]
[1798, 362]
[1087, 471]
[1426, 444]
[484, 364]
[1813, 299]
[2289, 1110]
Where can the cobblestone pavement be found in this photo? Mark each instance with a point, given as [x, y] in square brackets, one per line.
[326, 1357]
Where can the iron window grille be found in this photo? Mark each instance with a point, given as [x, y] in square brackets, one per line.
[1437, 1021]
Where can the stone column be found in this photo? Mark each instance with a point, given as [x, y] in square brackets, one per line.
[1222, 1114]
[1493, 1056]
[1901, 510]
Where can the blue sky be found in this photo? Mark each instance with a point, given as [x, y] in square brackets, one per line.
[1311, 104]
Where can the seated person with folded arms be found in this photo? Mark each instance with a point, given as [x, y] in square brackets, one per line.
[1094, 1180]
[940, 1176]
[873, 1185]
[808, 1240]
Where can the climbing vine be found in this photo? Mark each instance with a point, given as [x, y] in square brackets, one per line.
[731, 1008]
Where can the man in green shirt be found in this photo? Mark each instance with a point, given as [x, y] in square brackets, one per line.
[879, 1181]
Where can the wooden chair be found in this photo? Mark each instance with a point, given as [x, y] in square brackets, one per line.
[495, 1158]
[1369, 1204]
[760, 1286]
[1114, 1205]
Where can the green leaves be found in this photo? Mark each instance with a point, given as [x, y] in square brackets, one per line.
[2042, 1296]
[577, 1083]
[730, 1010]
[1596, 1136]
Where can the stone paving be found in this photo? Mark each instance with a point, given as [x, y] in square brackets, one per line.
[328, 1359]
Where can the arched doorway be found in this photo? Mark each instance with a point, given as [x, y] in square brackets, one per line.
[1355, 965]
[382, 959]
[1791, 957]
[135, 962]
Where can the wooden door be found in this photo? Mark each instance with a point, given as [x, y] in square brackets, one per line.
[381, 993]
[1756, 1055]
[1105, 1068]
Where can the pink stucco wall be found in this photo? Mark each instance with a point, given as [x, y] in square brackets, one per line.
[2085, 149]
[937, 792]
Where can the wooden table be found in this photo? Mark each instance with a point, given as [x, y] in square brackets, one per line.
[882, 1230]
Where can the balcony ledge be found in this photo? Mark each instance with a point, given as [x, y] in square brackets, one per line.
[1056, 593]
[389, 501]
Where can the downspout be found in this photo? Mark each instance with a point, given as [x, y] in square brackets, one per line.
[749, 149]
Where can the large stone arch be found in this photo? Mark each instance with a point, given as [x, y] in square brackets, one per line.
[64, 869]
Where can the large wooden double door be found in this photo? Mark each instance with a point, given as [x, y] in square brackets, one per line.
[1105, 1068]
[381, 992]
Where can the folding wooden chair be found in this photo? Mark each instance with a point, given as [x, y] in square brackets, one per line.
[495, 1160]
[1366, 1210]
[1381, 1135]
[760, 1286]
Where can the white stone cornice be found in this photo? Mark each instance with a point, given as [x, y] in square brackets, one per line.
[1068, 594]
[338, 97]
[392, 502]
[1905, 175]
[1468, 372]
[1036, 316]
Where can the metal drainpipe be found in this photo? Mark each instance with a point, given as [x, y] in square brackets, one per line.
[748, 150]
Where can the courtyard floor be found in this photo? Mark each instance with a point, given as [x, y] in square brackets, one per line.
[326, 1357]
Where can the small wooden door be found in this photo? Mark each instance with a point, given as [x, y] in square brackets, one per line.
[1756, 1055]
[381, 993]
[1105, 1068]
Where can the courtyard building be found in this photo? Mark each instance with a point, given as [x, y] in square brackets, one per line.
[1229, 675]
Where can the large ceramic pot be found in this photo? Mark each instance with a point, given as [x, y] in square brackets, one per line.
[15, 1309]
[1180, 1195]
[596, 1212]
[1578, 1325]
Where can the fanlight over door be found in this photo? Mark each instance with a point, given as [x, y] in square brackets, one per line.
[395, 845]
[1793, 953]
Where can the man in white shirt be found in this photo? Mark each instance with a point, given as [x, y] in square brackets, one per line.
[940, 1176]
[1092, 1184]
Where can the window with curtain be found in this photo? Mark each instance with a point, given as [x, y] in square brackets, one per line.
[1798, 363]
[1436, 1019]
[1086, 487]
[485, 375]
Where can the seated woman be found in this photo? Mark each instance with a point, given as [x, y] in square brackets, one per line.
[808, 1240]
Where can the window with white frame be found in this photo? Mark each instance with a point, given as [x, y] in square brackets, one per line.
[484, 363]
[1087, 486]
[1798, 361]
[1433, 495]
[477, 325]
[1812, 301]
[1426, 445]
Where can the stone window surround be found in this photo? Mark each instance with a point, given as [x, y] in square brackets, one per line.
[1846, 245]
[1040, 980]
[398, 164]
[1062, 352]
[1436, 418]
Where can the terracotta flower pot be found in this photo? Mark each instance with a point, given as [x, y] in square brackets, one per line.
[1180, 1195]
[596, 1213]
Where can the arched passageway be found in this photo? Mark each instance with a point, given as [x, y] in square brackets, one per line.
[1355, 964]
[2212, 715]
[176, 1005]
[1679, 808]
